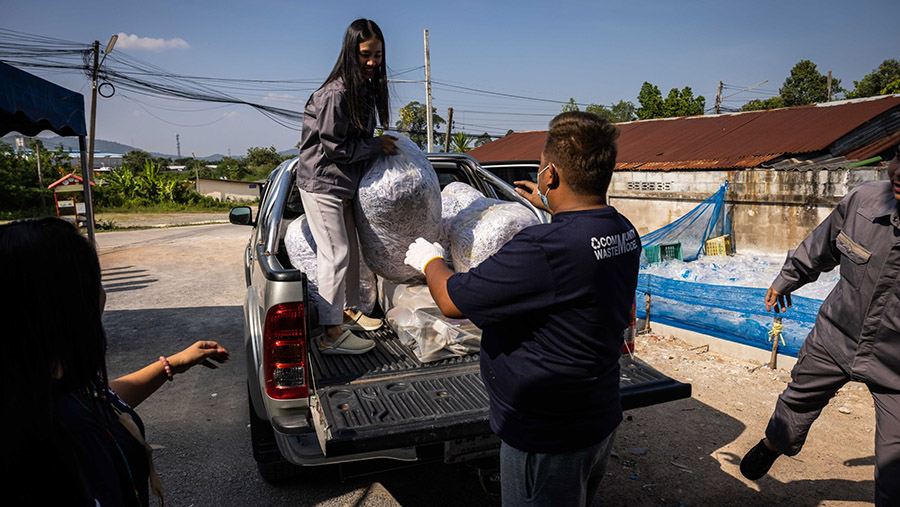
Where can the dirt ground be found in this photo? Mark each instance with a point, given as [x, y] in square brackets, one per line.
[688, 452]
[679, 453]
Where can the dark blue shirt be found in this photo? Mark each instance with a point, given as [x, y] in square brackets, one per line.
[552, 304]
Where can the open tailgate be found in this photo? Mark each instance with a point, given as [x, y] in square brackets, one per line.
[390, 400]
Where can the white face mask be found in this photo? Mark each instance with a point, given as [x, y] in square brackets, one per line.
[538, 178]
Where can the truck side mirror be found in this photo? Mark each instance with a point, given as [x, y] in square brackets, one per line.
[241, 215]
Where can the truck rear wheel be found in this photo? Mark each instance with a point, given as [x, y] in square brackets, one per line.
[271, 464]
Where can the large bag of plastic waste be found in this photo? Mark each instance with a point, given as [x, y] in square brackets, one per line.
[301, 250]
[455, 197]
[479, 230]
[431, 336]
[409, 295]
[399, 200]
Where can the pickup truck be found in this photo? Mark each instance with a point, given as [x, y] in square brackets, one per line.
[312, 409]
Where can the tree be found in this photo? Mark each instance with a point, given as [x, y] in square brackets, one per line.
[806, 85]
[232, 169]
[617, 113]
[570, 106]
[460, 142]
[759, 105]
[414, 122]
[483, 139]
[881, 81]
[135, 159]
[677, 103]
[651, 102]
[682, 103]
[263, 157]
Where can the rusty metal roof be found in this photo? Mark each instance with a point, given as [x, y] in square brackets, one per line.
[737, 140]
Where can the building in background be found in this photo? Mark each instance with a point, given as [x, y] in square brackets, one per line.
[786, 168]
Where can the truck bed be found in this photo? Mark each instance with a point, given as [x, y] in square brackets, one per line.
[388, 398]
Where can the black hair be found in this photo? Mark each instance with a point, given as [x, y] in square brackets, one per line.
[347, 69]
[583, 145]
[51, 315]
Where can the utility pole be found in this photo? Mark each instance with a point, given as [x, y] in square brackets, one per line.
[196, 173]
[428, 113]
[89, 169]
[828, 93]
[178, 145]
[719, 98]
[37, 151]
[449, 126]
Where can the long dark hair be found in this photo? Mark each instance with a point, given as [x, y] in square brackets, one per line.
[347, 69]
[51, 318]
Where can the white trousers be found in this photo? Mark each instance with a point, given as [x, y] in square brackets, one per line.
[333, 228]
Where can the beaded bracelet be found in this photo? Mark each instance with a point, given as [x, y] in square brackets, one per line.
[168, 368]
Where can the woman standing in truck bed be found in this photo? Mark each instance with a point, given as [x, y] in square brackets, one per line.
[337, 144]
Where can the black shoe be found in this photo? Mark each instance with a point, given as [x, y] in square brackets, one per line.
[758, 461]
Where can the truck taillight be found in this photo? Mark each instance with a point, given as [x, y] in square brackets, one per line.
[284, 352]
[628, 334]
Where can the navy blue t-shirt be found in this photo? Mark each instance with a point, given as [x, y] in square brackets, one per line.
[552, 304]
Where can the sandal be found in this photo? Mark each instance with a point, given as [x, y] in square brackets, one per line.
[348, 343]
[362, 322]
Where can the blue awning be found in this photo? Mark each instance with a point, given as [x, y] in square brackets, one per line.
[30, 105]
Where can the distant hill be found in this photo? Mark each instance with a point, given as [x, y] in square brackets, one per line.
[71, 143]
[102, 146]
[290, 151]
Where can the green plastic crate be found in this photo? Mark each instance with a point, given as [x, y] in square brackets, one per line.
[662, 252]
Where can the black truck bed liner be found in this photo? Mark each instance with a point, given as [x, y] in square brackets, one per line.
[388, 398]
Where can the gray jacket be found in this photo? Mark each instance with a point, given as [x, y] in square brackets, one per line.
[859, 322]
[333, 152]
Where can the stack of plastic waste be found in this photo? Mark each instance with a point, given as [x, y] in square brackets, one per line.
[399, 200]
[419, 324]
[301, 250]
[455, 197]
[479, 230]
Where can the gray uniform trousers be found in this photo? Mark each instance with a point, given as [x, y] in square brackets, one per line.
[558, 479]
[816, 378]
[333, 228]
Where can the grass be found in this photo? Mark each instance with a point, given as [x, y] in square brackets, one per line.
[169, 207]
[8, 215]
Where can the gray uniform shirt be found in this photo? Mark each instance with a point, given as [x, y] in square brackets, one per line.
[334, 152]
[859, 322]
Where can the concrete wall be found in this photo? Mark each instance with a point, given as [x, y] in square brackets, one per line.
[771, 211]
[227, 190]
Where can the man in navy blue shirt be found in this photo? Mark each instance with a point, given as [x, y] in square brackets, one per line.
[552, 304]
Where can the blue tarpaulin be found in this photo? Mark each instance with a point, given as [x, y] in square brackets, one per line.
[29, 105]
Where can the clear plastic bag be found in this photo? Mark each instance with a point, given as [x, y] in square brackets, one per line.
[479, 230]
[301, 250]
[433, 337]
[455, 197]
[399, 200]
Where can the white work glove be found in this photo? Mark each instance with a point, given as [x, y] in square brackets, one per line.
[421, 252]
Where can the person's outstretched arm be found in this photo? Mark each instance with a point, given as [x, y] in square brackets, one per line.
[136, 387]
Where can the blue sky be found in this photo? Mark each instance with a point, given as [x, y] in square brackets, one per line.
[596, 52]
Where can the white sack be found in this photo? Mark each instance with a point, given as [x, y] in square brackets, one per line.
[455, 196]
[301, 250]
[399, 200]
[479, 230]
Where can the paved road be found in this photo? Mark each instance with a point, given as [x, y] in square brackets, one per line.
[170, 287]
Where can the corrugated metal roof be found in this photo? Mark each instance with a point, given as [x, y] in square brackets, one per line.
[719, 141]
